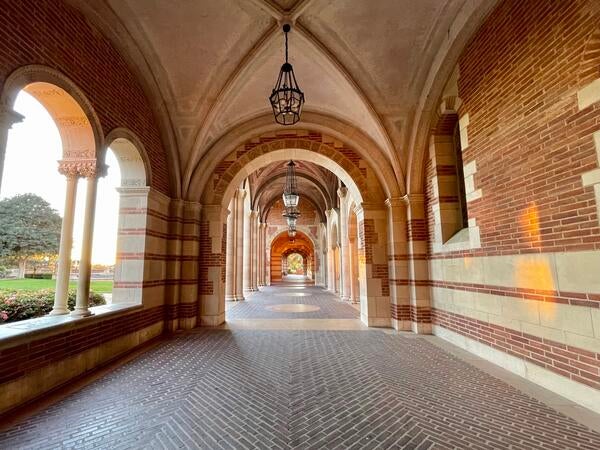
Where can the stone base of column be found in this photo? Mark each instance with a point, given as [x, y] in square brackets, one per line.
[81, 313]
[230, 298]
[421, 328]
[187, 323]
[402, 325]
[212, 321]
[345, 299]
[59, 312]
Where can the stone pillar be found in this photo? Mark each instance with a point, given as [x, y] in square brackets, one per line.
[61, 294]
[211, 279]
[85, 263]
[190, 252]
[329, 253]
[8, 118]
[239, 246]
[398, 263]
[261, 254]
[230, 255]
[373, 265]
[344, 245]
[418, 270]
[174, 249]
[255, 251]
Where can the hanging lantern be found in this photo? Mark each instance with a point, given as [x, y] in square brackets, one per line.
[287, 98]
[290, 193]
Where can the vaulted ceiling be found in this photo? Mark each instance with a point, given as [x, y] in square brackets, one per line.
[209, 65]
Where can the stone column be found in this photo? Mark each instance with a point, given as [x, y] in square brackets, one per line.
[255, 251]
[261, 255]
[174, 249]
[398, 263]
[190, 252]
[239, 246]
[329, 252]
[344, 245]
[211, 283]
[373, 265]
[418, 269]
[230, 263]
[8, 118]
[85, 263]
[61, 294]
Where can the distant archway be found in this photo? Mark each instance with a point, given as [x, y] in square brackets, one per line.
[283, 246]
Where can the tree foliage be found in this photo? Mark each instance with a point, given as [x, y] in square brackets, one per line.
[29, 228]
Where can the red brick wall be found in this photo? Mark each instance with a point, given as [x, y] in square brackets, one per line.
[308, 214]
[51, 33]
[518, 82]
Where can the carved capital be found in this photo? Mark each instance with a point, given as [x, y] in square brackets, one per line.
[81, 168]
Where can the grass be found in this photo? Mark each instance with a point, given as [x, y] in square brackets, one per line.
[99, 286]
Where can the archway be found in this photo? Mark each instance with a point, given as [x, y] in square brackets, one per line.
[81, 137]
[353, 256]
[132, 214]
[282, 247]
[362, 186]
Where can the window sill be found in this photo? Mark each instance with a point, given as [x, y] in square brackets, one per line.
[15, 333]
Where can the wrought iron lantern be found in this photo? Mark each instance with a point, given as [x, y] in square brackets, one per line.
[290, 192]
[287, 98]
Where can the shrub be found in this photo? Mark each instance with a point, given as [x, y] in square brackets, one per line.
[21, 305]
[39, 276]
[4, 271]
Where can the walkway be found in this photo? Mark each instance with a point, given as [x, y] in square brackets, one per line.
[302, 388]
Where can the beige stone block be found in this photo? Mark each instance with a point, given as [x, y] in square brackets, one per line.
[590, 178]
[487, 303]
[469, 184]
[471, 196]
[544, 332]
[469, 169]
[589, 94]
[522, 310]
[578, 271]
[596, 321]
[576, 319]
[585, 342]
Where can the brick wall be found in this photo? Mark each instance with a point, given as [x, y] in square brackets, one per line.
[530, 289]
[518, 82]
[51, 33]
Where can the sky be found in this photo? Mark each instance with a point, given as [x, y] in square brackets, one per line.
[31, 166]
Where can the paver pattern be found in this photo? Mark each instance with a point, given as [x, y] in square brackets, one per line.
[236, 389]
[256, 306]
[260, 389]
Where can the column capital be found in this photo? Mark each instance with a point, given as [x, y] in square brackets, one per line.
[394, 202]
[342, 192]
[81, 168]
[414, 198]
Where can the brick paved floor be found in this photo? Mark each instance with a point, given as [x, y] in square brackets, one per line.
[257, 304]
[298, 389]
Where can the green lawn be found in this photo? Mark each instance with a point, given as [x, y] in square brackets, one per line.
[101, 287]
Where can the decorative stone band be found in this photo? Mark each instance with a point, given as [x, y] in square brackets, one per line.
[81, 168]
[572, 362]
[591, 300]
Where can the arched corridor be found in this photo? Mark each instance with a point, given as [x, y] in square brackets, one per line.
[340, 224]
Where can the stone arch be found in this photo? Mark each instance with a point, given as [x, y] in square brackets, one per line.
[378, 168]
[280, 244]
[79, 127]
[133, 216]
[133, 159]
[363, 186]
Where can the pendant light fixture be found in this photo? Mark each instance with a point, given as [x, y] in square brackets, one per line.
[287, 98]
[290, 192]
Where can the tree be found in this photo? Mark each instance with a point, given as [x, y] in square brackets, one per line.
[29, 228]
